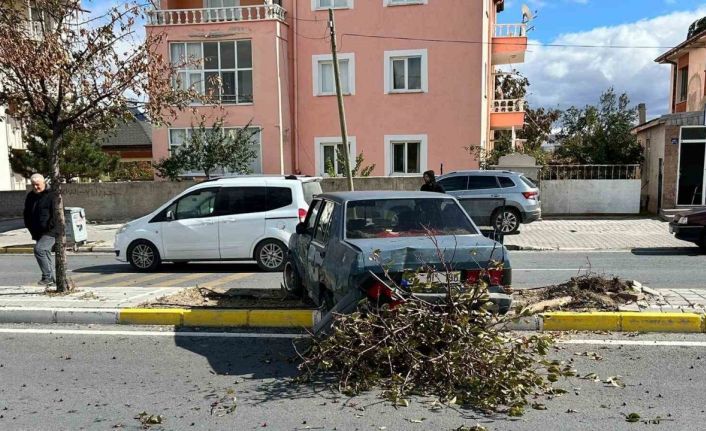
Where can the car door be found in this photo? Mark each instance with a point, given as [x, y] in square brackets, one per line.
[304, 240]
[192, 231]
[480, 198]
[317, 247]
[241, 220]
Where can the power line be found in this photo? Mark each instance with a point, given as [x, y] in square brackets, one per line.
[472, 42]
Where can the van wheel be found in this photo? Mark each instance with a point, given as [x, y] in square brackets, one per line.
[506, 220]
[271, 255]
[143, 256]
[292, 279]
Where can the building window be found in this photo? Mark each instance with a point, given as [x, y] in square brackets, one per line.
[179, 137]
[402, 2]
[406, 155]
[406, 71]
[327, 155]
[222, 70]
[683, 84]
[323, 76]
[333, 4]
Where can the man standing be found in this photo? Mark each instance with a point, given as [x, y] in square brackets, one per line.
[430, 184]
[39, 220]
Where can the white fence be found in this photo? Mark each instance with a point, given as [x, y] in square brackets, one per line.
[215, 15]
[590, 189]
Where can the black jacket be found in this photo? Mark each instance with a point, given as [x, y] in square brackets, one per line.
[432, 186]
[39, 214]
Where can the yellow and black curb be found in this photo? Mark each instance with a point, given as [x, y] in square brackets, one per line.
[16, 249]
[675, 322]
[627, 321]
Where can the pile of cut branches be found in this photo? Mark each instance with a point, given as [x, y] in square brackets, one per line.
[455, 351]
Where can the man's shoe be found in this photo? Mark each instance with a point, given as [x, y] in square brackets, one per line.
[46, 282]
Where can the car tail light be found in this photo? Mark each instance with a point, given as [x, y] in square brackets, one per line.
[379, 292]
[302, 215]
[493, 276]
[530, 195]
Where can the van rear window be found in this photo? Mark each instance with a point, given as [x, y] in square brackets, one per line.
[311, 189]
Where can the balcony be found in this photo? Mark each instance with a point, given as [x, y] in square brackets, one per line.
[216, 15]
[507, 114]
[509, 43]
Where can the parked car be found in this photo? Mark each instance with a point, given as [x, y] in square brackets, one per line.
[331, 255]
[690, 226]
[245, 218]
[500, 199]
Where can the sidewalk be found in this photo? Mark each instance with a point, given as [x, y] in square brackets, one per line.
[566, 235]
[15, 238]
[595, 234]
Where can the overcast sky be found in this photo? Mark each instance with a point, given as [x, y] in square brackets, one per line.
[565, 76]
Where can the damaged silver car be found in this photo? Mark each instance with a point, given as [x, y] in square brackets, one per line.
[352, 243]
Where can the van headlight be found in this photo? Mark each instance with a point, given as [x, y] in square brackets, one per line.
[122, 229]
[683, 220]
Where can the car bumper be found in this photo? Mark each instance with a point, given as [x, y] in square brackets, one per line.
[531, 216]
[120, 248]
[501, 301]
[686, 233]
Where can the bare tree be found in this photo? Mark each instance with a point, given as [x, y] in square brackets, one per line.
[75, 72]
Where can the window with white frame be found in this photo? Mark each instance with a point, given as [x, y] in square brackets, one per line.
[403, 2]
[222, 70]
[332, 4]
[178, 137]
[323, 75]
[405, 154]
[406, 71]
[329, 155]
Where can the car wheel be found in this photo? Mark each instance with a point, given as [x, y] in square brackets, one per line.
[292, 279]
[271, 255]
[143, 256]
[506, 220]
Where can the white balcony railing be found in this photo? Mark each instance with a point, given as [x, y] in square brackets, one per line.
[216, 15]
[508, 105]
[510, 30]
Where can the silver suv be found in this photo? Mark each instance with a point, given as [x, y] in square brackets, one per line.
[501, 199]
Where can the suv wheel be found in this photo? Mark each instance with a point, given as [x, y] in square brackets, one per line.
[506, 220]
[143, 256]
[271, 255]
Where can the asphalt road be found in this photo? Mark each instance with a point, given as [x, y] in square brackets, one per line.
[90, 380]
[657, 269]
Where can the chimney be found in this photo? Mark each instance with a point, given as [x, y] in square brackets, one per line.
[642, 113]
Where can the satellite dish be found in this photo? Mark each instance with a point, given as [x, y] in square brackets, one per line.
[527, 14]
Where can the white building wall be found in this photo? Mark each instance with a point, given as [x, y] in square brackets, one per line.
[564, 197]
[10, 138]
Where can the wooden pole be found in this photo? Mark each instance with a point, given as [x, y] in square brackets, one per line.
[339, 98]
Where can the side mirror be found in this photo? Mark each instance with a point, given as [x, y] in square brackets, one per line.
[170, 215]
[301, 229]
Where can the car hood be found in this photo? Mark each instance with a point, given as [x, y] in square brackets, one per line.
[462, 252]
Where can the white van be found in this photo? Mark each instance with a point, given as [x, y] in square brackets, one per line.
[247, 218]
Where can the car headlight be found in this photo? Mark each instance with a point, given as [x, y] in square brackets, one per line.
[122, 229]
[683, 220]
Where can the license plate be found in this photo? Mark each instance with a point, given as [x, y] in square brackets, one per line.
[452, 277]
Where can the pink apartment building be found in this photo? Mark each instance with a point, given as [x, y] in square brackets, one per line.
[417, 74]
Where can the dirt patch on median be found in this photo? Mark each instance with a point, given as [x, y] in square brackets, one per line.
[585, 293]
[199, 297]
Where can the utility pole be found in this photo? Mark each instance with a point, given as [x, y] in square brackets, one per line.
[339, 97]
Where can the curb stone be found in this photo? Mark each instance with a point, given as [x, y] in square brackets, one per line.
[676, 322]
[29, 249]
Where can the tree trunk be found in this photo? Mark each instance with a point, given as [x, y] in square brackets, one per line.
[63, 284]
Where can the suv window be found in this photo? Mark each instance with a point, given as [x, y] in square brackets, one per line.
[506, 182]
[242, 200]
[323, 227]
[528, 181]
[454, 183]
[200, 203]
[481, 182]
[278, 197]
